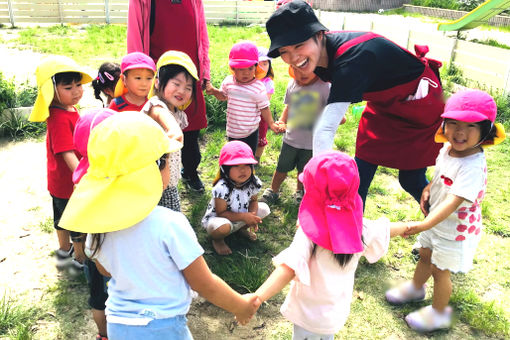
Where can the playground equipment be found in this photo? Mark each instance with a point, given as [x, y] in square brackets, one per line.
[476, 17]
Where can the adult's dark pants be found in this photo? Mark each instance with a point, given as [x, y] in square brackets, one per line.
[190, 154]
[412, 181]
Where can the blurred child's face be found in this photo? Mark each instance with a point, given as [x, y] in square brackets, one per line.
[303, 79]
[178, 90]
[244, 75]
[240, 173]
[68, 94]
[264, 64]
[303, 56]
[138, 81]
[462, 136]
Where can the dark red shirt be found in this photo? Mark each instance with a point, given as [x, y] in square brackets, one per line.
[120, 104]
[59, 138]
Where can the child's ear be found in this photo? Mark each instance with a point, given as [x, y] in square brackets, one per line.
[123, 78]
[109, 92]
[156, 84]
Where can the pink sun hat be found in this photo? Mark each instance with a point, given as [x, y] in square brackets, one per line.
[243, 54]
[236, 153]
[82, 131]
[331, 212]
[470, 106]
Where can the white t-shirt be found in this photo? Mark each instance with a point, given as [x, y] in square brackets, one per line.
[145, 262]
[244, 102]
[319, 299]
[465, 177]
[238, 200]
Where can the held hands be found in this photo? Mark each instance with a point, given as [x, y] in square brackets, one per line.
[278, 127]
[413, 228]
[248, 309]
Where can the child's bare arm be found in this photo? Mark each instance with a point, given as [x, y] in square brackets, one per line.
[268, 118]
[167, 122]
[249, 217]
[278, 279]
[445, 209]
[211, 90]
[202, 280]
[285, 114]
[101, 269]
[70, 159]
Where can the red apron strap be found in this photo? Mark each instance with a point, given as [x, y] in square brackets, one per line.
[353, 42]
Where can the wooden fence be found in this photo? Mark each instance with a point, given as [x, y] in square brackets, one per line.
[482, 64]
[115, 11]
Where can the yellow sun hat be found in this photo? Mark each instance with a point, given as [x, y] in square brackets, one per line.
[123, 183]
[175, 58]
[49, 66]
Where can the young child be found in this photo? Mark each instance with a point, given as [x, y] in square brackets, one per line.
[305, 98]
[59, 83]
[330, 239]
[172, 92]
[246, 96]
[150, 252]
[233, 206]
[135, 82]
[265, 65]
[96, 281]
[107, 77]
[452, 205]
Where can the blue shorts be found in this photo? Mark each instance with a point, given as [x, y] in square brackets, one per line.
[175, 328]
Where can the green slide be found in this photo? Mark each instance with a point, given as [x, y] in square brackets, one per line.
[476, 17]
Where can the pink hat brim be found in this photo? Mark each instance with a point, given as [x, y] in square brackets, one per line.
[81, 169]
[239, 161]
[465, 116]
[141, 65]
[337, 229]
[241, 63]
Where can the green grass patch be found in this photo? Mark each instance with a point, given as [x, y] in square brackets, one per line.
[16, 320]
[46, 226]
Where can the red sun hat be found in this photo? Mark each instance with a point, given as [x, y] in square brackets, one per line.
[243, 54]
[331, 212]
[236, 153]
[470, 106]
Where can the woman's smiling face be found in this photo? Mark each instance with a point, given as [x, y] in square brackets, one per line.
[304, 56]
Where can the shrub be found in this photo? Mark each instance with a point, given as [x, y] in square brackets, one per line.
[7, 93]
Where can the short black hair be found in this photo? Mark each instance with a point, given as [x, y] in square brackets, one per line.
[487, 131]
[67, 78]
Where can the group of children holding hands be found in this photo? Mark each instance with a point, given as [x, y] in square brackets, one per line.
[113, 180]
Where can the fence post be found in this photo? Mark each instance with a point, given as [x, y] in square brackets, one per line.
[60, 14]
[11, 12]
[107, 11]
[237, 12]
[454, 47]
[506, 89]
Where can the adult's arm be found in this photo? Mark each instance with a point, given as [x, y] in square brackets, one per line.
[325, 129]
[138, 26]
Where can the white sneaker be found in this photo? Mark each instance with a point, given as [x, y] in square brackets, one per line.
[427, 319]
[404, 293]
[64, 258]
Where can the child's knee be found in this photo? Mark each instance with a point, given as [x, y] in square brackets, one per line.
[221, 232]
[425, 255]
[439, 273]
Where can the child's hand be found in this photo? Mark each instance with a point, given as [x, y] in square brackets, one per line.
[251, 218]
[282, 127]
[413, 228]
[398, 229]
[424, 200]
[249, 308]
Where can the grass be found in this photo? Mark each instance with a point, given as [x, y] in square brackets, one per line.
[481, 315]
[16, 320]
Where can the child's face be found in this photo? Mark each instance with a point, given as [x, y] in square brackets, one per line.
[303, 79]
[462, 136]
[244, 75]
[68, 94]
[138, 81]
[178, 90]
[303, 56]
[264, 64]
[240, 173]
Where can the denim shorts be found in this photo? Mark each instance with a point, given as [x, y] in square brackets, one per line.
[175, 328]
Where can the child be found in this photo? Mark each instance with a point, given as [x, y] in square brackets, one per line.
[96, 281]
[305, 98]
[330, 239]
[105, 82]
[136, 79]
[59, 83]
[172, 92]
[234, 205]
[265, 65]
[246, 96]
[150, 252]
[452, 205]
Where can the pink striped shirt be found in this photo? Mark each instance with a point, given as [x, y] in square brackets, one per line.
[244, 102]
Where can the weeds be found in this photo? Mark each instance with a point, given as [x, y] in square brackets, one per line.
[46, 226]
[16, 126]
[16, 320]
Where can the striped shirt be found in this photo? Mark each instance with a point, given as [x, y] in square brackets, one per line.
[244, 102]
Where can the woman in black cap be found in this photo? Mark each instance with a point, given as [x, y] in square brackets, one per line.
[403, 92]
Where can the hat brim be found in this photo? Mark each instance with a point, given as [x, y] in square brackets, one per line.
[239, 161]
[120, 89]
[293, 37]
[100, 205]
[81, 169]
[465, 116]
[337, 229]
[241, 63]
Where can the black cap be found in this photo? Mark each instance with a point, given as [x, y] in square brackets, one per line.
[291, 24]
